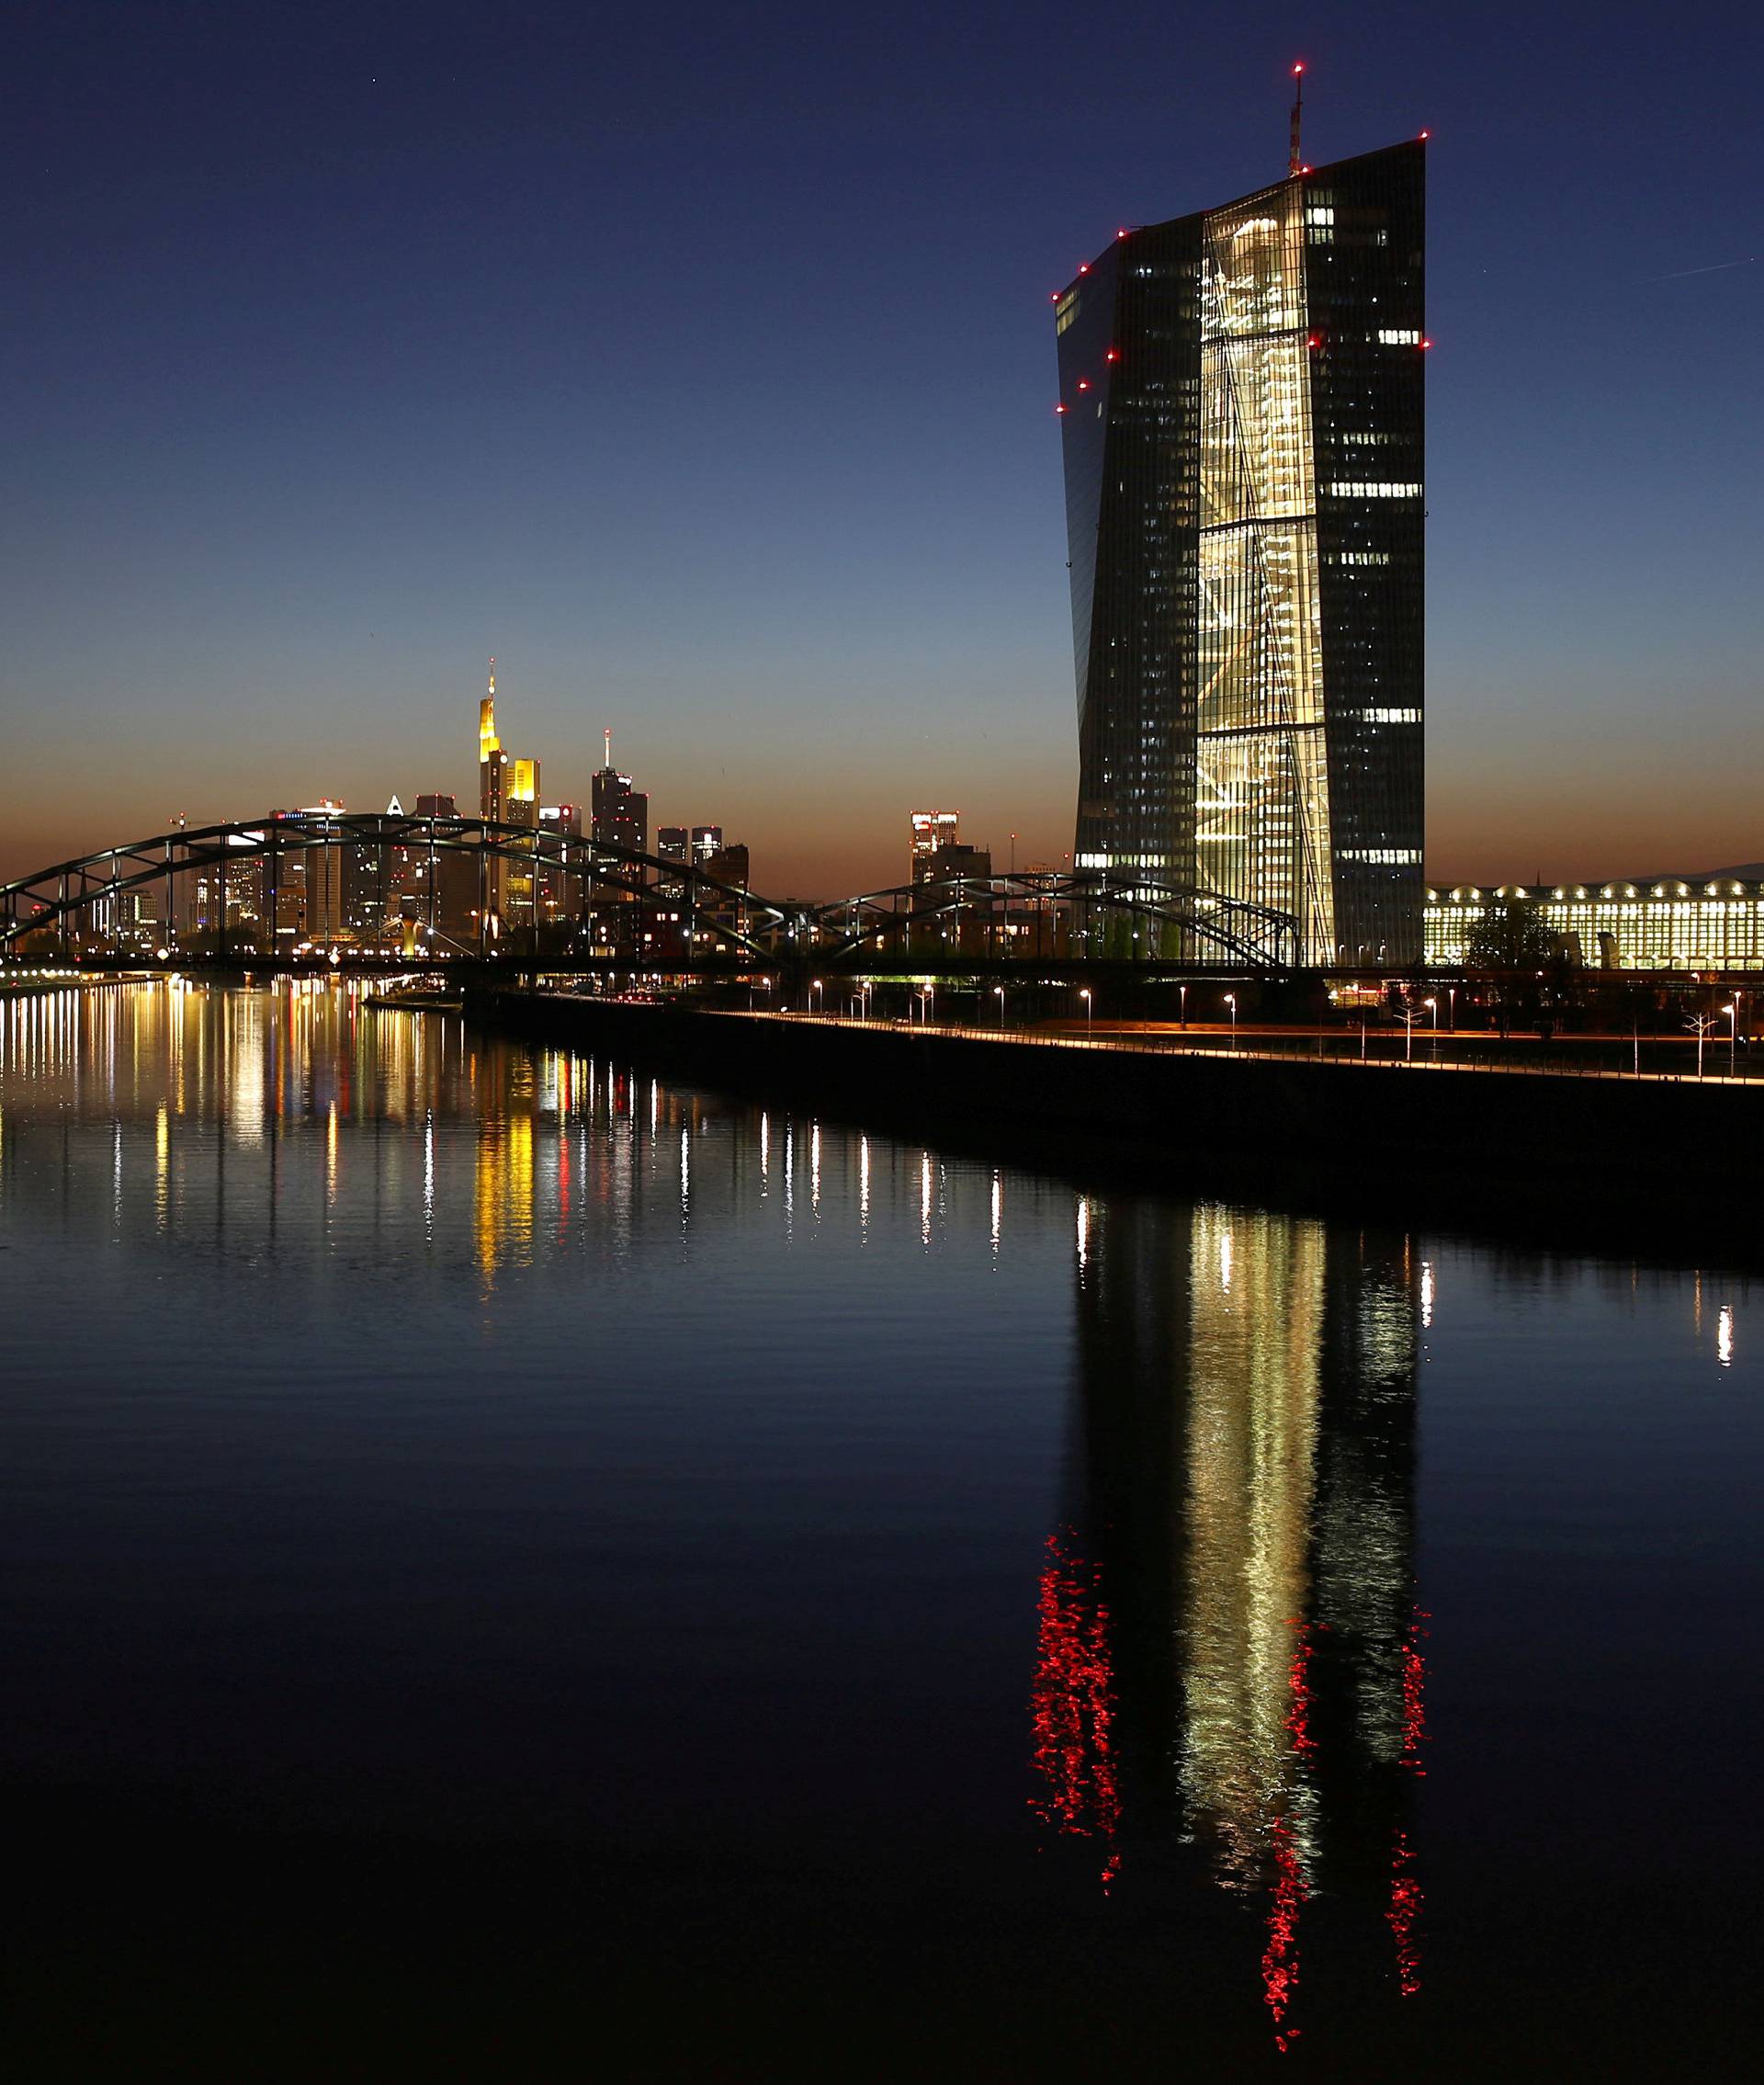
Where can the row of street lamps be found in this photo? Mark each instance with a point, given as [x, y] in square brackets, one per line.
[926, 1003]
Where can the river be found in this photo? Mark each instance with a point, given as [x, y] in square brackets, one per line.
[505, 1555]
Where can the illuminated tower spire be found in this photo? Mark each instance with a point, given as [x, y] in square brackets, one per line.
[1295, 159]
[488, 743]
[607, 734]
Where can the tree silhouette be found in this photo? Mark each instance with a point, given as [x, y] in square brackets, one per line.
[1510, 936]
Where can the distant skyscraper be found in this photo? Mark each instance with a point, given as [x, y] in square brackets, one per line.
[521, 807]
[1240, 398]
[621, 814]
[492, 762]
[451, 904]
[697, 844]
[508, 794]
[728, 864]
[322, 878]
[939, 858]
[931, 831]
[560, 889]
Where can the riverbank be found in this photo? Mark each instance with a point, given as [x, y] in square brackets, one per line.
[1600, 1161]
[30, 985]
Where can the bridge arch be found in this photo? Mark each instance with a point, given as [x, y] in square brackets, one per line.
[53, 897]
[742, 923]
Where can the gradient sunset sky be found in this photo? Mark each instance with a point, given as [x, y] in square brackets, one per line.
[699, 362]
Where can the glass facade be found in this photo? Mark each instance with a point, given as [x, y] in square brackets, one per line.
[1240, 396]
[1714, 926]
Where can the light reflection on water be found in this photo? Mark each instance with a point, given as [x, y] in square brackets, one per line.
[750, 1450]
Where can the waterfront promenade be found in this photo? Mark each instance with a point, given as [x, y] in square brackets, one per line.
[1614, 1145]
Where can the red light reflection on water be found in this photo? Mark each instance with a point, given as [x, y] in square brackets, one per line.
[1405, 1914]
[1414, 1686]
[1280, 1957]
[1072, 1704]
[1291, 1886]
[1298, 1684]
[1405, 1899]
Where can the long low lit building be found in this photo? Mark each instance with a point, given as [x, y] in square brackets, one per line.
[1670, 925]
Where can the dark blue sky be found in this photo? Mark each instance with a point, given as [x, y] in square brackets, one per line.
[698, 363]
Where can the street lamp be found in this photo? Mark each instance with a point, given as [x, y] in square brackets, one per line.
[815, 985]
[1733, 1031]
[1090, 1014]
[1182, 1014]
[1434, 1005]
[1231, 1000]
[1452, 1009]
[998, 990]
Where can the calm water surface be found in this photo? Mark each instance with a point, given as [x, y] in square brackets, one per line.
[515, 1568]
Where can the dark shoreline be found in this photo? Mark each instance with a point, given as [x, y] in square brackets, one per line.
[1654, 1172]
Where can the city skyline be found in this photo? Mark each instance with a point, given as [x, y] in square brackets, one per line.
[976, 1302]
[323, 413]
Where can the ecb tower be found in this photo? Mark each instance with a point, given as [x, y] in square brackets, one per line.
[1241, 395]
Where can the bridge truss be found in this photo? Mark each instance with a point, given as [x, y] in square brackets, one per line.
[552, 895]
[1103, 913]
[243, 869]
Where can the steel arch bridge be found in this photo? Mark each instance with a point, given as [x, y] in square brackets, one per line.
[1098, 913]
[221, 855]
[1141, 905]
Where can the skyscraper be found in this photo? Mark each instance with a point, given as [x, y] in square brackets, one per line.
[1242, 407]
[508, 794]
[492, 762]
[621, 814]
[931, 831]
[492, 794]
[452, 906]
[558, 894]
[521, 807]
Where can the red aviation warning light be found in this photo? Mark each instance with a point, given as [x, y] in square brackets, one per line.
[1060, 408]
[1084, 383]
[1113, 355]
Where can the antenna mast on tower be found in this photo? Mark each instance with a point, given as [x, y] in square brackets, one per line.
[1295, 162]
